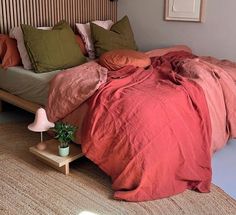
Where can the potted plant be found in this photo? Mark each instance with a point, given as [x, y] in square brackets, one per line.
[65, 134]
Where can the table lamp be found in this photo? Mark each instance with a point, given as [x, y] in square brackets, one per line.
[41, 124]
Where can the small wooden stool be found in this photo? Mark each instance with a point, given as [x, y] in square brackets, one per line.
[50, 155]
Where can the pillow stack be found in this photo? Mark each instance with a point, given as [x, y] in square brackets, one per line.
[116, 48]
[52, 49]
[42, 49]
[17, 34]
[120, 36]
[85, 32]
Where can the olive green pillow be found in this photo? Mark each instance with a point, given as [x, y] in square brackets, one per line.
[52, 49]
[120, 36]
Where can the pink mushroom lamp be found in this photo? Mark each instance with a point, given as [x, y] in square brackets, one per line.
[41, 124]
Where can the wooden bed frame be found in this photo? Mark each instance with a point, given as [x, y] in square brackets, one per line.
[18, 102]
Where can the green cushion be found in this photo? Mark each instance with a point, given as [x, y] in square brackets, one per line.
[120, 36]
[52, 49]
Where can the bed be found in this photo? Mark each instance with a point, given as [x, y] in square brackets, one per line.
[152, 130]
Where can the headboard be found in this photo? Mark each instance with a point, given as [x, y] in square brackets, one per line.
[49, 12]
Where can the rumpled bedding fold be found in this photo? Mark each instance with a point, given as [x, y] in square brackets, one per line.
[150, 131]
[153, 131]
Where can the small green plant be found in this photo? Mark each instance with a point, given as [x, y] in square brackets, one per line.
[64, 133]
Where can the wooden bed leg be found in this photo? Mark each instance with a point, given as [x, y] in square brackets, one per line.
[1, 106]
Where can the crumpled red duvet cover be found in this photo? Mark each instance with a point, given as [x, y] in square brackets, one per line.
[150, 130]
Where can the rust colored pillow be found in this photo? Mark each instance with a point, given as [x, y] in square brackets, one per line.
[9, 54]
[117, 59]
[81, 45]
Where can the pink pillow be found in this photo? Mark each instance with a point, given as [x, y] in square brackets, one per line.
[117, 59]
[17, 34]
[161, 52]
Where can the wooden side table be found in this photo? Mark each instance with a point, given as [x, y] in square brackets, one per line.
[50, 155]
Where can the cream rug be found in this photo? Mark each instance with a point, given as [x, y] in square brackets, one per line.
[28, 186]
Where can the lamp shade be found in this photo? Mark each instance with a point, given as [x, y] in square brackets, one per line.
[41, 122]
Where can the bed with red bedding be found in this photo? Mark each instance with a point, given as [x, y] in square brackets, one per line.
[153, 131]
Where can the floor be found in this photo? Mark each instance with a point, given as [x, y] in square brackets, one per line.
[224, 161]
[224, 169]
[29, 187]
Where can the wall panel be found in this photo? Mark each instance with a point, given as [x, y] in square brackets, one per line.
[49, 12]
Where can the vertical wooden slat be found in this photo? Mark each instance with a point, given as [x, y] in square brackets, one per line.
[28, 15]
[34, 12]
[8, 11]
[1, 15]
[18, 17]
[4, 16]
[49, 12]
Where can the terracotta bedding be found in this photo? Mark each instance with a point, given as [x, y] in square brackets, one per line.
[215, 78]
[153, 130]
[69, 89]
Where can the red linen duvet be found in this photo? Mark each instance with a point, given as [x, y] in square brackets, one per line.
[149, 130]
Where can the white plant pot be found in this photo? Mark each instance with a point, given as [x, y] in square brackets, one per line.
[63, 152]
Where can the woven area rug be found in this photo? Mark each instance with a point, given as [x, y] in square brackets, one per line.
[28, 186]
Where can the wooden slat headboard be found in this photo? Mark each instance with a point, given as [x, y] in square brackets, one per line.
[48, 12]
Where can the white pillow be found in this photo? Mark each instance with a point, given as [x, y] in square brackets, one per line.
[17, 34]
[85, 32]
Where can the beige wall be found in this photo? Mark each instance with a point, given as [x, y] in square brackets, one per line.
[216, 37]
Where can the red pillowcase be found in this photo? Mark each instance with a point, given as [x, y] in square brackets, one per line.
[9, 54]
[81, 44]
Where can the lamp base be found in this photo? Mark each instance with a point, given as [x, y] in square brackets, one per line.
[41, 146]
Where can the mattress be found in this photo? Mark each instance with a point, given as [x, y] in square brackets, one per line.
[26, 84]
